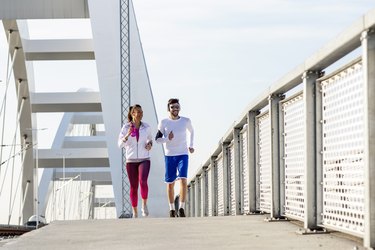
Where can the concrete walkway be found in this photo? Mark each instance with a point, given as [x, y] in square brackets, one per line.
[239, 232]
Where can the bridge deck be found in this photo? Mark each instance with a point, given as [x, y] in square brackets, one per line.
[240, 232]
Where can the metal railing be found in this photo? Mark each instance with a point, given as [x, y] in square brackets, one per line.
[305, 149]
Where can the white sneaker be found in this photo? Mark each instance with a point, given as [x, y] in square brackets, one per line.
[144, 211]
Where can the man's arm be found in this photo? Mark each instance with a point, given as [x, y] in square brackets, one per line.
[159, 138]
[190, 128]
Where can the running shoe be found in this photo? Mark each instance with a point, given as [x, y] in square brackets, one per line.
[172, 213]
[144, 211]
[181, 212]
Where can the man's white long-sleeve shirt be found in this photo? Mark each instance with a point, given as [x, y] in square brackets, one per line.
[179, 144]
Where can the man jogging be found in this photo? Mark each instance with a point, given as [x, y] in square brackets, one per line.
[172, 133]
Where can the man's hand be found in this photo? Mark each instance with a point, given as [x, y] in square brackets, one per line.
[191, 150]
[171, 135]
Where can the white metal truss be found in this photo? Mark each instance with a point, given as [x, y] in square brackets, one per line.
[125, 94]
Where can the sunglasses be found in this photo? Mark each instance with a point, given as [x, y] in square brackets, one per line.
[174, 107]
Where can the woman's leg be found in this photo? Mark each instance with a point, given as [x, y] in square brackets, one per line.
[132, 170]
[144, 170]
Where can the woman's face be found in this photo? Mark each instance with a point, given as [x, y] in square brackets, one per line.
[137, 114]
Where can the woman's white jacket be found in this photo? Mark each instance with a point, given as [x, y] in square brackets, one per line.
[136, 149]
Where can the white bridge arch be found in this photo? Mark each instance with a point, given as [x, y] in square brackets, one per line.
[94, 152]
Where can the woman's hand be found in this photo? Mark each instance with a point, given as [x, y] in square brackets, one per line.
[148, 146]
[126, 137]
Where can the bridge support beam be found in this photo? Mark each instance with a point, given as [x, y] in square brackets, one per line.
[368, 59]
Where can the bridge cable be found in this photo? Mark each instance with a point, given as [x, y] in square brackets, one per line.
[17, 186]
[10, 152]
[8, 73]
[7, 161]
[11, 185]
[19, 109]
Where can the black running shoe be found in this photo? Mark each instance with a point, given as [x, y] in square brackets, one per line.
[181, 212]
[172, 213]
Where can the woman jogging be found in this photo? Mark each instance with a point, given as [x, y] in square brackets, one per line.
[135, 137]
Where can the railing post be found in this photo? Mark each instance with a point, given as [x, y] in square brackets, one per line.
[213, 186]
[257, 166]
[204, 186]
[309, 97]
[237, 170]
[188, 200]
[192, 203]
[274, 101]
[368, 59]
[197, 197]
[226, 183]
[251, 160]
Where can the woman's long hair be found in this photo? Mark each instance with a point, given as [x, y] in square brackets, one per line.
[131, 109]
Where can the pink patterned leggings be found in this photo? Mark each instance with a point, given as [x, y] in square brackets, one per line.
[138, 173]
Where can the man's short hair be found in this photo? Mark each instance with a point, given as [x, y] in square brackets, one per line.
[172, 101]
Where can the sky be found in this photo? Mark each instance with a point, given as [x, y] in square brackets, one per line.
[216, 56]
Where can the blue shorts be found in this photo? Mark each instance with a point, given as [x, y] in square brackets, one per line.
[176, 167]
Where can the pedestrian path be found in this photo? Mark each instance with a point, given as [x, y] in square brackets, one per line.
[229, 232]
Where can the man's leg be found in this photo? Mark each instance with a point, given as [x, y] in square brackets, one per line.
[183, 171]
[170, 177]
[183, 191]
[170, 193]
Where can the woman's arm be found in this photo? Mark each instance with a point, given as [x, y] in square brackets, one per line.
[123, 137]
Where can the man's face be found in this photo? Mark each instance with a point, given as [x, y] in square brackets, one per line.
[174, 109]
